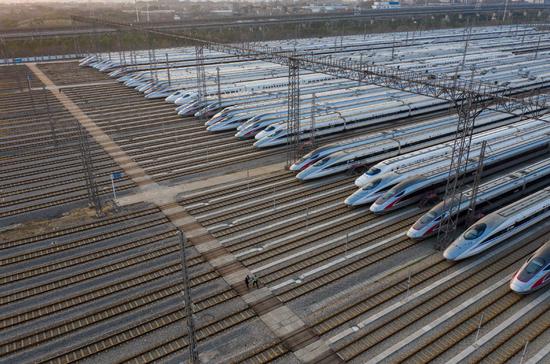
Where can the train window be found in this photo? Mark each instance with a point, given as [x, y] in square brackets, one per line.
[322, 162]
[386, 196]
[475, 231]
[534, 266]
[373, 171]
[400, 194]
[425, 220]
[371, 185]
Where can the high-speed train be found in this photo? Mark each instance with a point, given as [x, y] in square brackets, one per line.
[365, 155]
[500, 225]
[319, 109]
[487, 119]
[360, 156]
[498, 131]
[418, 187]
[336, 104]
[515, 183]
[364, 116]
[188, 104]
[256, 85]
[232, 94]
[534, 273]
[248, 105]
[502, 147]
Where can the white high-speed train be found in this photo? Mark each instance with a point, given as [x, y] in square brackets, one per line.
[360, 156]
[500, 225]
[534, 273]
[364, 116]
[365, 155]
[321, 107]
[418, 187]
[337, 104]
[322, 152]
[491, 131]
[257, 85]
[497, 151]
[514, 183]
[248, 105]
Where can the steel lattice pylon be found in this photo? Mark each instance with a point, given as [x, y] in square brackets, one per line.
[193, 354]
[475, 185]
[467, 108]
[87, 163]
[293, 119]
[201, 75]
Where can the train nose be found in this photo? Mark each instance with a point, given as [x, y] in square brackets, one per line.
[246, 133]
[518, 286]
[306, 174]
[357, 198]
[351, 200]
[295, 167]
[452, 253]
[415, 234]
[260, 135]
[262, 143]
[361, 180]
[377, 208]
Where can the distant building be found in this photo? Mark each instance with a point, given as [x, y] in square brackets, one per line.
[386, 5]
[315, 9]
[221, 12]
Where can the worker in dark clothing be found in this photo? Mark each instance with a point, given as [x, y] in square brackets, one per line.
[247, 281]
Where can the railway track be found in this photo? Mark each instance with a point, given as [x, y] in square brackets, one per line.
[403, 317]
[111, 288]
[36, 176]
[161, 154]
[68, 73]
[13, 78]
[69, 314]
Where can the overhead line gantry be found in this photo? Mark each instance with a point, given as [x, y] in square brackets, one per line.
[468, 98]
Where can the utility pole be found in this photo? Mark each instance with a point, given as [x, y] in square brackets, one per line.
[537, 51]
[467, 109]
[88, 169]
[50, 119]
[219, 86]
[193, 353]
[168, 70]
[201, 75]
[293, 119]
[137, 12]
[466, 49]
[475, 186]
[313, 131]
[505, 11]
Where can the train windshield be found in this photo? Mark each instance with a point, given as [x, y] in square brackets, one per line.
[373, 171]
[534, 266]
[322, 162]
[475, 231]
[371, 185]
[386, 196]
[426, 219]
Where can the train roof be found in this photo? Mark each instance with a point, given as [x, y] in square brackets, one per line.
[524, 203]
[491, 149]
[541, 167]
[544, 251]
